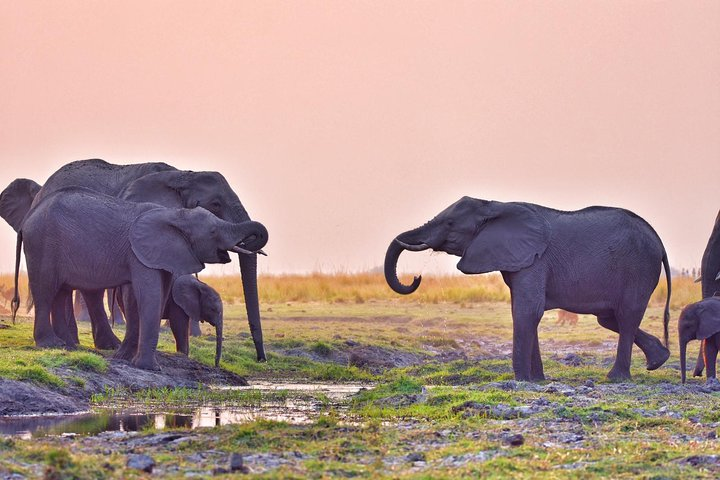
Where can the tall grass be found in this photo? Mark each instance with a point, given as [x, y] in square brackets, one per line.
[364, 287]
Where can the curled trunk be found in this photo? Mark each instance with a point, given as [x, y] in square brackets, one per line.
[391, 259]
[248, 272]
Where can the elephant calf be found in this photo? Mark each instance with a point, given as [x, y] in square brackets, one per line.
[701, 321]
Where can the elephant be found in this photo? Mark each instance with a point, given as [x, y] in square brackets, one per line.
[192, 301]
[701, 321]
[165, 185]
[76, 238]
[599, 260]
[710, 277]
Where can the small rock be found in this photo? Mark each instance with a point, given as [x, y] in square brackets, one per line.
[589, 383]
[351, 343]
[141, 462]
[220, 471]
[712, 435]
[416, 457]
[236, 463]
[514, 439]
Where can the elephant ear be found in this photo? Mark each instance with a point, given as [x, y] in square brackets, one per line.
[709, 315]
[159, 243]
[508, 242]
[187, 296]
[16, 199]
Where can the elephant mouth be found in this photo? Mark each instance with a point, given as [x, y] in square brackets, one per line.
[223, 256]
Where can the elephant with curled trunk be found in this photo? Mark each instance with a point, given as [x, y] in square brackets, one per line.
[148, 182]
[599, 260]
[76, 238]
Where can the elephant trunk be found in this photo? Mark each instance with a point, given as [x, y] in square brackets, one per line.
[248, 272]
[683, 359]
[218, 340]
[391, 258]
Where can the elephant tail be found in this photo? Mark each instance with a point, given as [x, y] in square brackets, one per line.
[15, 303]
[666, 319]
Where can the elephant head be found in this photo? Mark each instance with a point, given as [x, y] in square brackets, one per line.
[181, 241]
[488, 236]
[200, 302]
[16, 199]
[697, 321]
[211, 191]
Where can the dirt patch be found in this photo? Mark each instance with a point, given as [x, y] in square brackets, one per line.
[27, 398]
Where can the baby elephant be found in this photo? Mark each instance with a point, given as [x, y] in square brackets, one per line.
[701, 321]
[190, 302]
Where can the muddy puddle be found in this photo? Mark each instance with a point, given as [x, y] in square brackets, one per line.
[296, 407]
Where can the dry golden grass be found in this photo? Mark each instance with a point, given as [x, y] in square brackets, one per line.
[363, 287]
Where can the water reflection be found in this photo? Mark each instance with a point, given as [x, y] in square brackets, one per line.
[292, 410]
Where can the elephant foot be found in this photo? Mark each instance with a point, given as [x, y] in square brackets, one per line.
[698, 372]
[619, 375]
[146, 363]
[530, 378]
[50, 341]
[713, 383]
[657, 358]
[125, 352]
[108, 343]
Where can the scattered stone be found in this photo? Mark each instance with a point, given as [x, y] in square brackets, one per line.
[236, 463]
[351, 343]
[416, 457]
[514, 439]
[556, 387]
[712, 435]
[141, 462]
[700, 460]
[589, 383]
[572, 360]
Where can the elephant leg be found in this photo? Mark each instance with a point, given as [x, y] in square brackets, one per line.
[71, 320]
[179, 324]
[104, 337]
[710, 351]
[699, 364]
[195, 329]
[60, 321]
[43, 332]
[151, 285]
[536, 365]
[526, 314]
[655, 352]
[128, 347]
[628, 321]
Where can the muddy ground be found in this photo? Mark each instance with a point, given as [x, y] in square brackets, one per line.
[28, 398]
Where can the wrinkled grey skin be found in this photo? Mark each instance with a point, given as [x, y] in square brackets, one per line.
[162, 184]
[192, 301]
[700, 321]
[121, 243]
[710, 277]
[599, 260]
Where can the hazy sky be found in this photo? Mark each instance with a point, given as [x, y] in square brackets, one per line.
[341, 124]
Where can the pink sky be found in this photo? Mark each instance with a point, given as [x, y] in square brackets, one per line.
[341, 124]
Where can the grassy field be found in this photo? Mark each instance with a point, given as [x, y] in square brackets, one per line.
[446, 408]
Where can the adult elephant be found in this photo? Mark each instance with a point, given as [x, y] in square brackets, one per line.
[165, 185]
[139, 245]
[599, 260]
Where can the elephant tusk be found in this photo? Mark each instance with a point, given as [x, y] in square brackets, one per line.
[261, 252]
[237, 249]
[413, 248]
[717, 277]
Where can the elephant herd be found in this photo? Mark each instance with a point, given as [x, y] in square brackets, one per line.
[144, 229]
